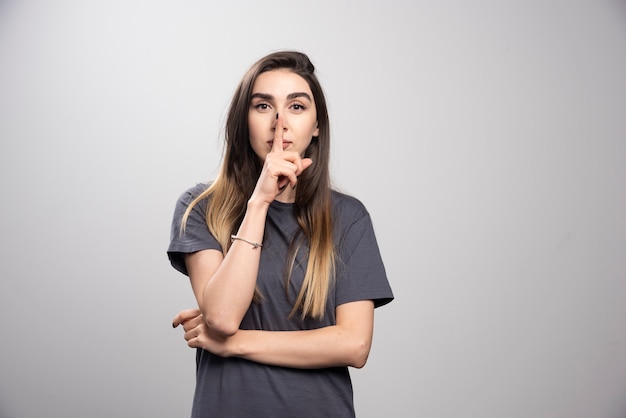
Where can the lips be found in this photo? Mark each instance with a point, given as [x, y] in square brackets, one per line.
[285, 143]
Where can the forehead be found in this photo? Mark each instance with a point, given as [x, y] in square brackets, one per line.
[280, 82]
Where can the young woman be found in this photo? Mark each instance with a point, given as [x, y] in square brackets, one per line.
[286, 271]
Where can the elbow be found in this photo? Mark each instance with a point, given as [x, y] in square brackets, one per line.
[360, 353]
[221, 326]
[358, 362]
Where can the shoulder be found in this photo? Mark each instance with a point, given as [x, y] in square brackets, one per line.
[347, 207]
[192, 192]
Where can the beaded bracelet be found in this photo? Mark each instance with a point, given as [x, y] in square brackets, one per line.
[255, 245]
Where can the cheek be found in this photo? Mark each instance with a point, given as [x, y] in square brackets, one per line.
[314, 126]
[255, 129]
[309, 128]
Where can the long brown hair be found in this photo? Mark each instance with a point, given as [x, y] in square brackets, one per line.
[240, 171]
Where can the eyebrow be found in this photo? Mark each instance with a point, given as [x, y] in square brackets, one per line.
[299, 94]
[290, 96]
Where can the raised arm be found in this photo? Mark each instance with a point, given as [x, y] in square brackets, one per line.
[224, 285]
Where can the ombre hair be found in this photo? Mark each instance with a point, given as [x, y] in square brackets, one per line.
[240, 171]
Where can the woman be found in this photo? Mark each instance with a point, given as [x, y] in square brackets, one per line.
[286, 271]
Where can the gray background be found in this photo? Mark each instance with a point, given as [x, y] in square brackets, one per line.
[487, 139]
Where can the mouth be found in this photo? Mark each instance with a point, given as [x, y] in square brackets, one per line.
[286, 144]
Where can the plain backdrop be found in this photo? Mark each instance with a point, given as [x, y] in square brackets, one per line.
[486, 138]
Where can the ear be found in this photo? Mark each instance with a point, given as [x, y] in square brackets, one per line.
[316, 132]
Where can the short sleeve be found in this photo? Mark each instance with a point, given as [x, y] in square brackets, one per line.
[361, 273]
[196, 235]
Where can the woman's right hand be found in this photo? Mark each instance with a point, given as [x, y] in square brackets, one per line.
[280, 170]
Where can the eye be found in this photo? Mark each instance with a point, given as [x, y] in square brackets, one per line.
[262, 107]
[299, 107]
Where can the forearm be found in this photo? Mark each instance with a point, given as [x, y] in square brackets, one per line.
[347, 343]
[324, 347]
[227, 294]
[331, 346]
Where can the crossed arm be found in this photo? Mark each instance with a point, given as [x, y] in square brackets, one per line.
[347, 343]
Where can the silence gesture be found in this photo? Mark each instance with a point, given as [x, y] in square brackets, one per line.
[281, 168]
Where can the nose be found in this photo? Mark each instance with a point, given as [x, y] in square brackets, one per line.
[275, 121]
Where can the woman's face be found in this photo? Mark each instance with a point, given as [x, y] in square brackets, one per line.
[286, 93]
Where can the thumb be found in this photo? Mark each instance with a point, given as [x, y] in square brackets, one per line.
[306, 163]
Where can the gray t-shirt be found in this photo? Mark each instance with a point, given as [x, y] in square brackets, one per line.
[238, 388]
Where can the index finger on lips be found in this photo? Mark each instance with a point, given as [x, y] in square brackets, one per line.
[277, 146]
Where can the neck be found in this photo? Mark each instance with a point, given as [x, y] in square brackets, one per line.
[287, 196]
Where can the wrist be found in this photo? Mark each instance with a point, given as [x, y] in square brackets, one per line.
[237, 344]
[257, 205]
